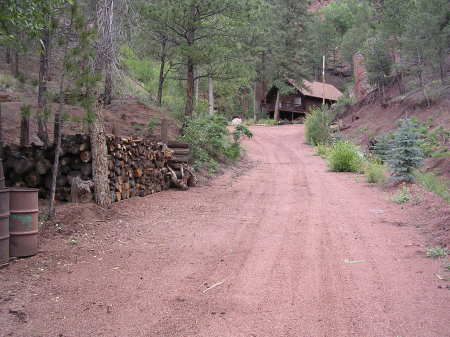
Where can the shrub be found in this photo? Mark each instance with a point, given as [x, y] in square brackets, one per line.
[433, 183]
[405, 152]
[402, 196]
[25, 110]
[239, 131]
[211, 142]
[437, 252]
[233, 151]
[317, 126]
[375, 173]
[151, 126]
[8, 82]
[344, 157]
[322, 150]
[383, 145]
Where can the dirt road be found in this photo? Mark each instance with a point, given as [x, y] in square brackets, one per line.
[282, 249]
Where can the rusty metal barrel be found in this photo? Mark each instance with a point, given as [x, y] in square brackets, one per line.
[4, 227]
[23, 222]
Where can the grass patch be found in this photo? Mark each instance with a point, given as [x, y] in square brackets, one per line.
[438, 185]
[344, 157]
[8, 82]
[375, 173]
[437, 252]
[267, 122]
[323, 150]
[402, 196]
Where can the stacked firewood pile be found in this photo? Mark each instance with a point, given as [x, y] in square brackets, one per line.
[31, 166]
[137, 167]
[178, 165]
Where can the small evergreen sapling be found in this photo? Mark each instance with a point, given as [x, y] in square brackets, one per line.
[406, 153]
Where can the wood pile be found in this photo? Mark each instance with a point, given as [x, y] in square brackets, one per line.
[137, 167]
[179, 165]
[31, 166]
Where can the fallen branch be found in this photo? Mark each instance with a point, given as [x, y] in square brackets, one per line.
[213, 286]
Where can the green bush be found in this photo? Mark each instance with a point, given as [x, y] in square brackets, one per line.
[317, 126]
[211, 142]
[375, 173]
[25, 110]
[402, 196]
[233, 151]
[344, 157]
[437, 252]
[433, 183]
[151, 126]
[8, 82]
[239, 131]
[405, 152]
[322, 150]
[383, 145]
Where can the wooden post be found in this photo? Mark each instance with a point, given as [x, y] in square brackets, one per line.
[276, 113]
[164, 130]
[323, 81]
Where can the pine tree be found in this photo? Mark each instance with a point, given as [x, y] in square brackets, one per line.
[406, 153]
[378, 62]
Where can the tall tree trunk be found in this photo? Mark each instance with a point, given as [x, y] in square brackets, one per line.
[100, 170]
[197, 84]
[443, 68]
[255, 101]
[57, 144]
[56, 126]
[210, 96]
[1, 133]
[57, 134]
[189, 108]
[15, 64]
[42, 91]
[162, 66]
[107, 48]
[8, 56]
[276, 114]
[24, 130]
[108, 92]
[104, 61]
[263, 75]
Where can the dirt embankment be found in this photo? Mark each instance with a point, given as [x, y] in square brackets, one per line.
[367, 121]
[281, 247]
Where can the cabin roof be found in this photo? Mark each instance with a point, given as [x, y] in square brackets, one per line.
[317, 89]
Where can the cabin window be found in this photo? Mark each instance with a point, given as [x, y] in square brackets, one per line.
[298, 100]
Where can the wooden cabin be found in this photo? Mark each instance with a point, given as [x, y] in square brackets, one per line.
[297, 104]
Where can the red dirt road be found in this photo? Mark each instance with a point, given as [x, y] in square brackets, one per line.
[261, 254]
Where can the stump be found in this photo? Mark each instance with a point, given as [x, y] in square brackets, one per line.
[81, 190]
